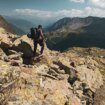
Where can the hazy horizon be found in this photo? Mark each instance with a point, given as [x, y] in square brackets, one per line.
[49, 11]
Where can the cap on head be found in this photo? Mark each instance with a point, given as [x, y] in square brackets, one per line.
[40, 26]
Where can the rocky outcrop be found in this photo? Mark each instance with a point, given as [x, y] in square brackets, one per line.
[9, 77]
[5, 42]
[100, 96]
[24, 45]
[3, 56]
[53, 78]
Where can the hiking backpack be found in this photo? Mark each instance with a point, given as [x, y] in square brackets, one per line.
[34, 34]
[31, 34]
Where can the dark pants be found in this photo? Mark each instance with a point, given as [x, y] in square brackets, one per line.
[41, 43]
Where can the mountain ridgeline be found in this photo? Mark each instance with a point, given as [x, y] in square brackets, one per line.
[24, 25]
[76, 32]
[9, 27]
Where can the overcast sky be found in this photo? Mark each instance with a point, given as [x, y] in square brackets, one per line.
[53, 8]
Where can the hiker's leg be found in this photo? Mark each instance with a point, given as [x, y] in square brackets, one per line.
[42, 48]
[41, 43]
[35, 48]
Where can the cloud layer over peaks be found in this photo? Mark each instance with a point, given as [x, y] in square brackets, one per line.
[78, 1]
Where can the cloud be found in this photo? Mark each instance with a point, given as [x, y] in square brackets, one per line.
[94, 12]
[34, 12]
[88, 11]
[98, 3]
[68, 13]
[78, 1]
[49, 14]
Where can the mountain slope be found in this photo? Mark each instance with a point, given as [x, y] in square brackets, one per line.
[69, 78]
[81, 32]
[25, 25]
[4, 24]
[9, 27]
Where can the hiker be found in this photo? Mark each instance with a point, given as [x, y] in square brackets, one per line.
[38, 39]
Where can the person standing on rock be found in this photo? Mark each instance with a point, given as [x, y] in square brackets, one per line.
[39, 39]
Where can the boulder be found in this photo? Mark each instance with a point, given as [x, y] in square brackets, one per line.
[99, 98]
[73, 100]
[8, 79]
[15, 62]
[15, 56]
[56, 98]
[72, 76]
[24, 45]
[3, 56]
[92, 78]
[10, 52]
[63, 65]
[5, 42]
[15, 59]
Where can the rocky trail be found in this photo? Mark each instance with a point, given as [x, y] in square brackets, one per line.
[69, 78]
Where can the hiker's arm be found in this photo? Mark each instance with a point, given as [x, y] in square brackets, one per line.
[41, 33]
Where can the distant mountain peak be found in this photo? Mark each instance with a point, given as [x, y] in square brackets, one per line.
[72, 22]
[81, 32]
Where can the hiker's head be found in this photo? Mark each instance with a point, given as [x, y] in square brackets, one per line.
[40, 27]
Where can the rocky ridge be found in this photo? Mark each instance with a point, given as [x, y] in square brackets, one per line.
[68, 78]
[9, 27]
